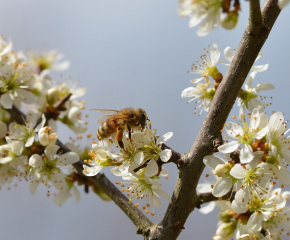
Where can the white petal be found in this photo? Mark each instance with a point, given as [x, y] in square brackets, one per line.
[249, 82]
[164, 138]
[212, 161]
[282, 3]
[165, 155]
[208, 208]
[238, 172]
[27, 97]
[197, 80]
[203, 188]
[61, 197]
[5, 160]
[264, 87]
[242, 197]
[238, 209]
[156, 200]
[283, 176]
[255, 222]
[215, 53]
[191, 92]
[257, 158]
[206, 104]
[33, 185]
[229, 53]
[29, 141]
[223, 205]
[151, 169]
[254, 103]
[260, 68]
[58, 180]
[286, 156]
[91, 171]
[67, 159]
[139, 158]
[61, 66]
[163, 172]
[255, 119]
[263, 132]
[35, 161]
[229, 147]
[222, 187]
[6, 100]
[246, 154]
[163, 193]
[17, 147]
[40, 125]
[50, 151]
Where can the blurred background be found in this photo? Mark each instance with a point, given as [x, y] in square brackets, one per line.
[126, 54]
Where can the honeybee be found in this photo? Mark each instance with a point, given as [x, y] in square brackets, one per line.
[119, 121]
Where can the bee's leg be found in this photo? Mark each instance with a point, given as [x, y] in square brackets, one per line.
[119, 137]
[149, 123]
[129, 131]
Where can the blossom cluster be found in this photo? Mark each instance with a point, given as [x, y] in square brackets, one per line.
[252, 160]
[139, 163]
[209, 14]
[248, 166]
[28, 147]
[248, 98]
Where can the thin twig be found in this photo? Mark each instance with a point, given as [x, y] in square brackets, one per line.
[203, 198]
[184, 198]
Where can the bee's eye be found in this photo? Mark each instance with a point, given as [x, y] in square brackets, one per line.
[131, 115]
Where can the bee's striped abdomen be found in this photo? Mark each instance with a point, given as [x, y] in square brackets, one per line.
[107, 129]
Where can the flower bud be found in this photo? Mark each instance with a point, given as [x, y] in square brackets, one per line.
[222, 170]
[225, 216]
[231, 20]
[52, 95]
[225, 230]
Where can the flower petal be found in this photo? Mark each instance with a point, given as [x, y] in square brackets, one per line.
[246, 154]
[35, 161]
[164, 138]
[139, 158]
[57, 178]
[165, 155]
[191, 92]
[222, 187]
[50, 151]
[67, 159]
[6, 100]
[212, 161]
[151, 169]
[229, 147]
[208, 208]
[238, 172]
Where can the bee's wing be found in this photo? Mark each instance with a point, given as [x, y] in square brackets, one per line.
[106, 113]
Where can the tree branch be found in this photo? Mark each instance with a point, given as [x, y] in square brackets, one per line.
[184, 198]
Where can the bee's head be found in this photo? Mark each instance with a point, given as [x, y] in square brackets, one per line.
[143, 118]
